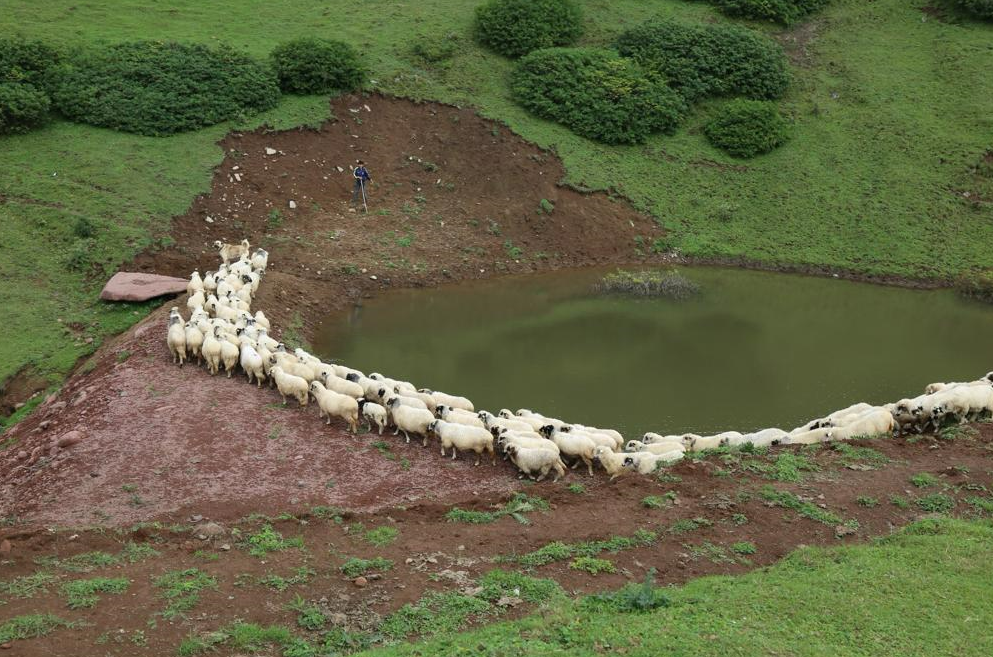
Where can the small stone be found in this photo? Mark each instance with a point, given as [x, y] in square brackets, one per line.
[44, 424]
[8, 645]
[270, 151]
[360, 582]
[209, 220]
[373, 277]
[340, 170]
[509, 601]
[74, 537]
[21, 455]
[843, 530]
[293, 205]
[225, 547]
[5, 546]
[338, 619]
[70, 438]
[209, 530]
[196, 518]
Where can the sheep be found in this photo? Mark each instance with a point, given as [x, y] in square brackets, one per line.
[875, 422]
[229, 252]
[961, 403]
[251, 362]
[210, 282]
[339, 385]
[819, 435]
[611, 461]
[577, 446]
[458, 416]
[407, 390]
[289, 384]
[260, 259]
[464, 437]
[647, 463]
[506, 439]
[695, 443]
[194, 340]
[211, 351]
[262, 320]
[765, 437]
[373, 413]
[535, 422]
[597, 438]
[611, 433]
[195, 285]
[409, 420]
[176, 339]
[489, 421]
[654, 448]
[530, 460]
[729, 438]
[230, 353]
[331, 403]
[293, 366]
[409, 402]
[450, 400]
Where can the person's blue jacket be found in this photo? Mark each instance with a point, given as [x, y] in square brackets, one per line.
[360, 172]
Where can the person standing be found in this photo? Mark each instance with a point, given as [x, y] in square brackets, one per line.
[362, 178]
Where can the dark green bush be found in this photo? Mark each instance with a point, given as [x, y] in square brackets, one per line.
[596, 94]
[26, 61]
[786, 12]
[517, 27]
[22, 107]
[980, 8]
[709, 60]
[317, 66]
[977, 284]
[746, 128]
[155, 88]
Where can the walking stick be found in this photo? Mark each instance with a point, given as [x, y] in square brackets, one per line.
[364, 205]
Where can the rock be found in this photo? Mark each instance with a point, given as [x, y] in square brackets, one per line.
[132, 286]
[508, 601]
[270, 151]
[360, 582]
[6, 646]
[5, 546]
[338, 619]
[225, 547]
[209, 220]
[844, 530]
[196, 518]
[21, 455]
[36, 453]
[293, 205]
[53, 450]
[44, 424]
[70, 438]
[859, 466]
[55, 407]
[209, 530]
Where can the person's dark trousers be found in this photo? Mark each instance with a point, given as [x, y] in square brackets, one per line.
[357, 191]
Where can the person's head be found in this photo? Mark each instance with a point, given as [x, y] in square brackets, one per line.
[361, 163]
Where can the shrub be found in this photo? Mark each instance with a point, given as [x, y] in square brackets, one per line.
[709, 60]
[26, 61]
[317, 66]
[666, 284]
[979, 8]
[746, 128]
[22, 107]
[777, 11]
[596, 94]
[977, 284]
[435, 50]
[517, 27]
[154, 88]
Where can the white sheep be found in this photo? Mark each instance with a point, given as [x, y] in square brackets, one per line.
[260, 259]
[765, 437]
[507, 438]
[331, 403]
[810, 437]
[458, 416]
[576, 446]
[450, 400]
[176, 339]
[373, 413]
[195, 285]
[229, 252]
[340, 385]
[251, 362]
[489, 421]
[409, 402]
[872, 423]
[463, 437]
[292, 365]
[695, 443]
[194, 340]
[541, 461]
[230, 354]
[654, 448]
[262, 320]
[409, 420]
[647, 463]
[290, 384]
[211, 350]
[407, 390]
[611, 461]
[196, 300]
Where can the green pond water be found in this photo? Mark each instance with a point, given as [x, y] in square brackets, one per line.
[755, 350]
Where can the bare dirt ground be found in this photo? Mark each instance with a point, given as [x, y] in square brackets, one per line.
[136, 449]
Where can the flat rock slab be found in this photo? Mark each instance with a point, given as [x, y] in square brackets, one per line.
[128, 286]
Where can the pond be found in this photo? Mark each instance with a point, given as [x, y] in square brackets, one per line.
[754, 350]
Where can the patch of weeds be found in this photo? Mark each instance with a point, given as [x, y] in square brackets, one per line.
[739, 519]
[850, 455]
[501, 583]
[518, 505]
[181, 589]
[577, 489]
[349, 270]
[274, 218]
[80, 563]
[936, 503]
[328, 513]
[31, 626]
[981, 505]
[790, 467]
[744, 548]
[788, 500]
[129, 488]
[268, 540]
[247, 637]
[274, 432]
[384, 448]
[654, 502]
[924, 480]
[301, 575]
[631, 598]
[432, 614]
[356, 566]
[900, 502]
[668, 478]
[206, 556]
[82, 593]
[134, 552]
[685, 525]
[558, 551]
[545, 206]
[405, 240]
[956, 431]
[513, 252]
[710, 551]
[866, 501]
[494, 228]
[123, 355]
[381, 536]
[27, 586]
[593, 565]
[309, 617]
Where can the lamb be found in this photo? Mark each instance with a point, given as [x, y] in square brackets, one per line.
[819, 435]
[654, 448]
[765, 437]
[194, 340]
[577, 446]
[211, 350]
[339, 385]
[196, 300]
[289, 384]
[260, 260]
[464, 437]
[489, 421]
[262, 320]
[529, 461]
[647, 463]
[176, 339]
[331, 403]
[875, 422]
[695, 443]
[611, 461]
[229, 252]
[450, 400]
[409, 420]
[230, 353]
[373, 413]
[195, 285]
[251, 362]
[458, 416]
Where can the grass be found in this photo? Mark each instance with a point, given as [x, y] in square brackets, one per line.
[434, 613]
[246, 638]
[27, 586]
[499, 583]
[518, 505]
[744, 548]
[653, 283]
[851, 454]
[924, 480]
[903, 579]
[809, 510]
[381, 536]
[685, 525]
[301, 575]
[910, 149]
[80, 563]
[82, 593]
[181, 589]
[30, 626]
[593, 565]
[558, 551]
[309, 616]
[357, 566]
[268, 540]
[936, 503]
[867, 501]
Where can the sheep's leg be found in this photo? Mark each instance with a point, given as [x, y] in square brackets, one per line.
[574, 464]
[380, 428]
[589, 465]
[405, 435]
[476, 464]
[455, 452]
[443, 450]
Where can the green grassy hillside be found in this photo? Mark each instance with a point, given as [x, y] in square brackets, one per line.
[891, 109]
